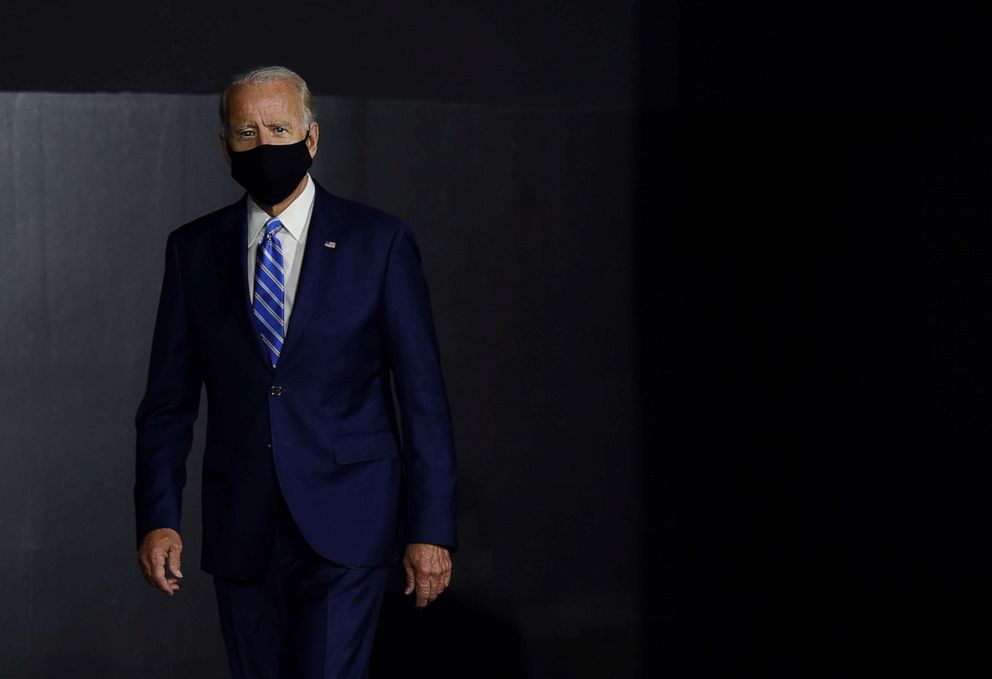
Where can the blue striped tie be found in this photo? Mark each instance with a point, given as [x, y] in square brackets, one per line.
[269, 301]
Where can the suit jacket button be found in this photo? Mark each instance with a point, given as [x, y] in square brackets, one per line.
[276, 391]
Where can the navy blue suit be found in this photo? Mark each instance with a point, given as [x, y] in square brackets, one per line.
[319, 432]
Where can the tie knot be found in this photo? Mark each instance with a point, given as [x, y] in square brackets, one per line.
[272, 226]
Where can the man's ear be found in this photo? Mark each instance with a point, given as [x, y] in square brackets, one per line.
[223, 147]
[313, 138]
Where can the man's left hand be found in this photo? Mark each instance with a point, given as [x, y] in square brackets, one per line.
[428, 571]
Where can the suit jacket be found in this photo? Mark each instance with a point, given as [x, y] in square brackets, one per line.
[320, 428]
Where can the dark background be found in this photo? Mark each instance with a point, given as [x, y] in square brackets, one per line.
[710, 283]
[814, 329]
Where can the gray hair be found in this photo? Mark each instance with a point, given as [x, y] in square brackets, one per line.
[265, 74]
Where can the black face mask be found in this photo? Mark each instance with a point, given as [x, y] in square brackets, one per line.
[271, 172]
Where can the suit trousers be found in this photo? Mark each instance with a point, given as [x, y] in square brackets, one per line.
[304, 617]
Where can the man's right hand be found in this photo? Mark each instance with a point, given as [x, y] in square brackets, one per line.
[160, 547]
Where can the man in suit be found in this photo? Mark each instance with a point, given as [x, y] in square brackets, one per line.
[301, 313]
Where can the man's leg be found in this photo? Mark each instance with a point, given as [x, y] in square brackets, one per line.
[305, 618]
[332, 612]
[253, 622]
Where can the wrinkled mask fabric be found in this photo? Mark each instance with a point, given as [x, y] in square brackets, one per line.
[270, 172]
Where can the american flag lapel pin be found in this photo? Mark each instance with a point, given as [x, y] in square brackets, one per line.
[330, 244]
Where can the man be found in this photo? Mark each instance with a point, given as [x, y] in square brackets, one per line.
[299, 311]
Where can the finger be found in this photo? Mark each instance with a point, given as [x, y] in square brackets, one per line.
[175, 552]
[439, 576]
[441, 583]
[423, 592]
[409, 577]
[444, 577]
[158, 571]
[433, 587]
[437, 585]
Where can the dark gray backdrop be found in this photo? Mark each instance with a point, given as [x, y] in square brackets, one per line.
[520, 214]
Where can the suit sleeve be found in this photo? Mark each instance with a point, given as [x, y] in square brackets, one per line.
[412, 348]
[165, 417]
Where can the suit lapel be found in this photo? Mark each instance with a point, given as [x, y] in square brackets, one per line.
[232, 256]
[325, 225]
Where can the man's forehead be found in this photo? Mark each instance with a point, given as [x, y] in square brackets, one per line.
[273, 98]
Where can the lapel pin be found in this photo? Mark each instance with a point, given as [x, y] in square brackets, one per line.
[330, 244]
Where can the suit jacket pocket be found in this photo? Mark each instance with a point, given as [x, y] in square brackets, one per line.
[376, 445]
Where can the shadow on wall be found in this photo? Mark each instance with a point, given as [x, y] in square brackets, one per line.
[451, 638]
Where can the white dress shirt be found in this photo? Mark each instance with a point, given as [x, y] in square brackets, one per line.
[292, 239]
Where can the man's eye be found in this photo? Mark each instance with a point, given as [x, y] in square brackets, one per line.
[246, 133]
[280, 130]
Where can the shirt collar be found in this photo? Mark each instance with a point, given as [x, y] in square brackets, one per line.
[294, 218]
